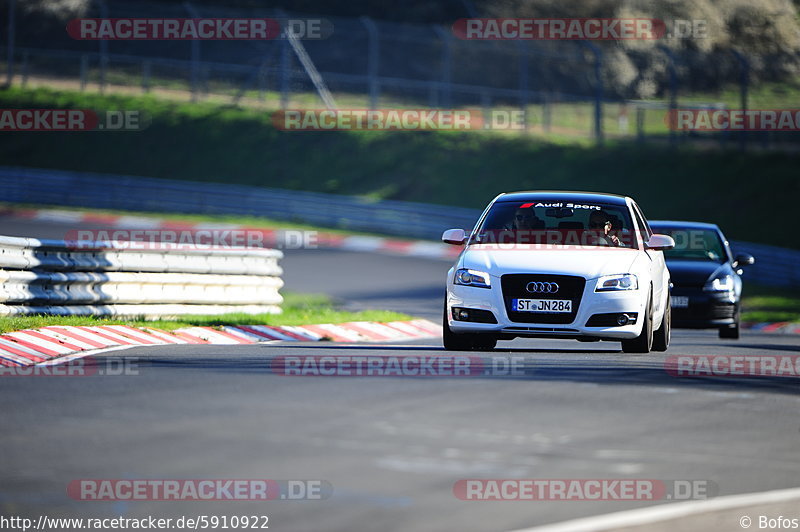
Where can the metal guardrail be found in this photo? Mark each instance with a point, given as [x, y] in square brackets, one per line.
[774, 265]
[405, 219]
[122, 279]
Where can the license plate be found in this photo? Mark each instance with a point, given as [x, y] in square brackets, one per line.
[680, 301]
[542, 305]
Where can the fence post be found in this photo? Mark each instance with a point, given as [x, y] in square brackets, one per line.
[146, 65]
[640, 123]
[547, 112]
[673, 94]
[103, 48]
[447, 65]
[195, 76]
[598, 92]
[744, 82]
[373, 61]
[12, 4]
[523, 81]
[84, 71]
[25, 59]
[262, 81]
[286, 60]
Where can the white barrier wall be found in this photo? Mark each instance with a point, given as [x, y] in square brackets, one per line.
[123, 279]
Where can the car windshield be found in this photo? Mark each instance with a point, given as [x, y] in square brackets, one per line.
[694, 244]
[557, 223]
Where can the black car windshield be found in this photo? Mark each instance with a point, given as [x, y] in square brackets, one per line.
[557, 223]
[694, 244]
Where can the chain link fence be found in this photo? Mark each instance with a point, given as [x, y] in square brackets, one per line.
[562, 87]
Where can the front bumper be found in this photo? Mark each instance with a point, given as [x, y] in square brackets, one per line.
[705, 310]
[591, 303]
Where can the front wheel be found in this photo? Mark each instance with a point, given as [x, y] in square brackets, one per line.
[662, 335]
[465, 341]
[644, 342]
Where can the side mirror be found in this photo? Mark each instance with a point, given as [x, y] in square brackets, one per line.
[743, 259]
[455, 237]
[660, 243]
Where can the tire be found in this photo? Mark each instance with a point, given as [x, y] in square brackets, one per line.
[731, 332]
[465, 341]
[662, 336]
[644, 342]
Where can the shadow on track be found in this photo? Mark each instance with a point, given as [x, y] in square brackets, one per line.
[611, 368]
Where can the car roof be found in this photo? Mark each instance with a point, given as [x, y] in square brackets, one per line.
[563, 195]
[685, 224]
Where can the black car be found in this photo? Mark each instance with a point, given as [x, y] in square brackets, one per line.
[706, 277]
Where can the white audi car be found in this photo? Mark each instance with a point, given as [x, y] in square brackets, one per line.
[559, 265]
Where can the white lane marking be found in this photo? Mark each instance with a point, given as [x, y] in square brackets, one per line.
[665, 512]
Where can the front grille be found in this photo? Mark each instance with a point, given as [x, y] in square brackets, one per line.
[570, 287]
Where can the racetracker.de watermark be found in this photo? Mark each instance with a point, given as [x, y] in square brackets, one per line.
[397, 120]
[733, 365]
[733, 119]
[397, 366]
[87, 366]
[177, 239]
[603, 29]
[198, 29]
[582, 489]
[198, 489]
[72, 120]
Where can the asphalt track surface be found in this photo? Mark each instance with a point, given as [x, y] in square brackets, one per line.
[393, 447]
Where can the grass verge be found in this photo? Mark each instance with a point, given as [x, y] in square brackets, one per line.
[770, 304]
[298, 309]
[223, 143]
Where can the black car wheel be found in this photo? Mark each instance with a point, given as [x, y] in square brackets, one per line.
[465, 341]
[731, 332]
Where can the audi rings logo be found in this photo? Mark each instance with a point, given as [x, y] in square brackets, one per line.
[542, 288]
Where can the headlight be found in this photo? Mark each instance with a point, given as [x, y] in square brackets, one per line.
[473, 278]
[613, 283]
[720, 284]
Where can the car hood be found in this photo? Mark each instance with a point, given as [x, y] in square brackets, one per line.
[565, 260]
[693, 272]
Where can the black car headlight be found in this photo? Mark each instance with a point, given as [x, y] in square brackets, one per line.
[722, 283]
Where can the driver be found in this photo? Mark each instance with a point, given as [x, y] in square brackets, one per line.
[600, 221]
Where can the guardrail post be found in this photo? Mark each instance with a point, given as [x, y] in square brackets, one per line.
[447, 65]
[373, 61]
[12, 4]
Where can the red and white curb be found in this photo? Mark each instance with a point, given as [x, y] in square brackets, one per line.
[377, 244]
[35, 346]
[781, 327]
